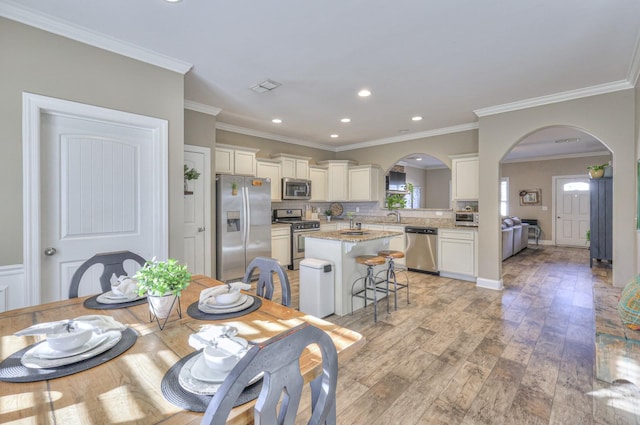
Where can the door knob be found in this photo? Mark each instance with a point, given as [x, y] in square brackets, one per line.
[50, 251]
[200, 229]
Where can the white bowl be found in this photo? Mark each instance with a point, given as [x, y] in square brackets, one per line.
[68, 337]
[228, 297]
[219, 358]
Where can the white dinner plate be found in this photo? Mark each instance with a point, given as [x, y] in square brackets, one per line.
[211, 300]
[32, 357]
[213, 309]
[111, 298]
[44, 351]
[196, 386]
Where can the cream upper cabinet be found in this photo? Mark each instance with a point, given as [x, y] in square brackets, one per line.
[318, 177]
[337, 179]
[234, 160]
[364, 183]
[224, 160]
[296, 167]
[465, 174]
[269, 168]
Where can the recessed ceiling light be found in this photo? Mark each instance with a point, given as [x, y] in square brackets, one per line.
[416, 118]
[173, 1]
[364, 93]
[418, 159]
[276, 121]
[345, 120]
[334, 136]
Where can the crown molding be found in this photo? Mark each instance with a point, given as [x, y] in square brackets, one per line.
[552, 157]
[19, 13]
[201, 107]
[555, 98]
[413, 136]
[271, 136]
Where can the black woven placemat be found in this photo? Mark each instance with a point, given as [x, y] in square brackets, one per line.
[94, 304]
[194, 313]
[175, 394]
[11, 370]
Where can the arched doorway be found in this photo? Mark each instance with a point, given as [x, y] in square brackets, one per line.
[553, 162]
[423, 180]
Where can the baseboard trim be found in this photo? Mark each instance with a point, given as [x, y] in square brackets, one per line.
[496, 285]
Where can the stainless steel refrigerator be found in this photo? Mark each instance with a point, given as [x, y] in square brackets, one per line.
[243, 224]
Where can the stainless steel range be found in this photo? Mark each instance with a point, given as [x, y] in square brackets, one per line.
[299, 227]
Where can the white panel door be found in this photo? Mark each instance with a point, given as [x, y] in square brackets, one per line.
[572, 211]
[96, 195]
[197, 218]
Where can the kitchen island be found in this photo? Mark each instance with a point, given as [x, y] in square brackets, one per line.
[341, 247]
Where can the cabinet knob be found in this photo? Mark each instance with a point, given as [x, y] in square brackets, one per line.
[200, 229]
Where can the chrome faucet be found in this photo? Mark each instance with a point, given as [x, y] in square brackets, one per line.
[397, 214]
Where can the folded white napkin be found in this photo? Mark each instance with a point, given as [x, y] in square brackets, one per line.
[209, 334]
[97, 322]
[124, 286]
[205, 294]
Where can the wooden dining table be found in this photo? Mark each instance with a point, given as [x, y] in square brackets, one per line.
[127, 388]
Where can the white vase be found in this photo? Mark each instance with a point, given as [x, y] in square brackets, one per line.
[161, 307]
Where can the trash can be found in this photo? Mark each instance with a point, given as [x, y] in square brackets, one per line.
[316, 287]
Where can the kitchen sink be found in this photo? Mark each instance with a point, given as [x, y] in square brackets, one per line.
[354, 232]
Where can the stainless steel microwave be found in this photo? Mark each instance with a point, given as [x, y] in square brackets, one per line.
[296, 188]
[466, 218]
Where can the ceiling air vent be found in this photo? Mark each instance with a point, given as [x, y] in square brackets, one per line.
[265, 86]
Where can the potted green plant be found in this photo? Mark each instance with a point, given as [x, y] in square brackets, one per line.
[189, 174]
[163, 283]
[328, 214]
[596, 171]
[396, 201]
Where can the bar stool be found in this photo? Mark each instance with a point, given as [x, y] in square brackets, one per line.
[370, 283]
[391, 277]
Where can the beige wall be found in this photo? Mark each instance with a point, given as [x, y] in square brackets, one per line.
[539, 175]
[270, 147]
[200, 130]
[418, 177]
[437, 191]
[610, 118]
[440, 147]
[38, 62]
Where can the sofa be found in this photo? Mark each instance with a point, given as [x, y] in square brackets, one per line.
[515, 236]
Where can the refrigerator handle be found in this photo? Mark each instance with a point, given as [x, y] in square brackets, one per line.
[247, 213]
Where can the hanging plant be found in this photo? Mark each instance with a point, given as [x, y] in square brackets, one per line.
[189, 174]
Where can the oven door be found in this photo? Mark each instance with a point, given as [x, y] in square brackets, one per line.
[297, 247]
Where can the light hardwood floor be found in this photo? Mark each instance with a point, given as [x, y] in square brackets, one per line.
[463, 355]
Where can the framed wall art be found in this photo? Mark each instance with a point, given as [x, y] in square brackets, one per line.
[530, 197]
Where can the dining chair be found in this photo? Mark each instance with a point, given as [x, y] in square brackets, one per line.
[265, 287]
[113, 262]
[279, 359]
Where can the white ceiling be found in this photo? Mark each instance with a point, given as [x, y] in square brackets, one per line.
[442, 60]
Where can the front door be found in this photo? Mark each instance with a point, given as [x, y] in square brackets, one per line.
[97, 195]
[572, 210]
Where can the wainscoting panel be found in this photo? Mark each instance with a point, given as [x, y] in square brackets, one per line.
[12, 287]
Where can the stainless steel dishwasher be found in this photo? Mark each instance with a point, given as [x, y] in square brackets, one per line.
[422, 249]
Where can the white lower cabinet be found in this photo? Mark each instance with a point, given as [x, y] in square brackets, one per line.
[457, 253]
[399, 243]
[281, 244]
